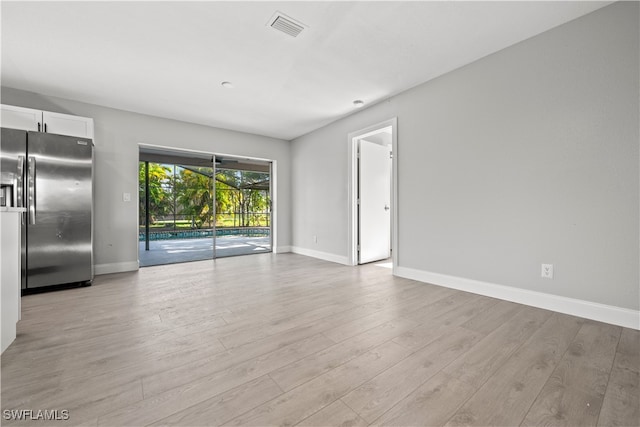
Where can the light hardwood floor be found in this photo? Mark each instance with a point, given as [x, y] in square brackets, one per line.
[290, 340]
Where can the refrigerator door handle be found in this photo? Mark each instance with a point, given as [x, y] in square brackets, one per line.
[32, 190]
[20, 183]
[19, 187]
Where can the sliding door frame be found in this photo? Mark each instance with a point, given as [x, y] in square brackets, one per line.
[270, 204]
[214, 201]
[197, 154]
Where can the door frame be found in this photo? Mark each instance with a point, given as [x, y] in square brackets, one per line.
[352, 199]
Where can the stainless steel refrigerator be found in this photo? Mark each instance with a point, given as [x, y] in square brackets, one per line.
[52, 177]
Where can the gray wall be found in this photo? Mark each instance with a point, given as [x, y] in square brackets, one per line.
[117, 135]
[528, 156]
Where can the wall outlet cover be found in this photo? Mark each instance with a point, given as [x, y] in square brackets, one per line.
[547, 271]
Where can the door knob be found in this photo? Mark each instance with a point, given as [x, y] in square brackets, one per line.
[386, 207]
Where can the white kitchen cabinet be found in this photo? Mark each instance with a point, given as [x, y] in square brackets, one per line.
[66, 124]
[46, 121]
[10, 287]
[20, 118]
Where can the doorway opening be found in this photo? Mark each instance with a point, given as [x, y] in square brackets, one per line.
[372, 195]
[199, 206]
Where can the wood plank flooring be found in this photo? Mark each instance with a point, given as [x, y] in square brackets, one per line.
[289, 340]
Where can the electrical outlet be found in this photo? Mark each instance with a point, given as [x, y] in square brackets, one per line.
[126, 197]
[547, 271]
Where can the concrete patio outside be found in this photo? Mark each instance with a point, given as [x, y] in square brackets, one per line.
[185, 250]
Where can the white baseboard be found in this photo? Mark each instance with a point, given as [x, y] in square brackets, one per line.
[282, 249]
[590, 310]
[116, 267]
[321, 255]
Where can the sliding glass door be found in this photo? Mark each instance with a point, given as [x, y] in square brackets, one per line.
[243, 207]
[176, 213]
[198, 208]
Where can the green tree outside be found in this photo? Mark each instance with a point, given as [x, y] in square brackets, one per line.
[160, 190]
[185, 193]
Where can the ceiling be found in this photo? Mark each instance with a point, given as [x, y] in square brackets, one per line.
[169, 59]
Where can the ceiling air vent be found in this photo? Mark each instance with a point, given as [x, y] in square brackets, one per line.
[287, 25]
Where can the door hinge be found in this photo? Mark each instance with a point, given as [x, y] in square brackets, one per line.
[358, 201]
[391, 154]
[358, 248]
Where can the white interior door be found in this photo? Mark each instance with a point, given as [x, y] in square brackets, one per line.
[374, 192]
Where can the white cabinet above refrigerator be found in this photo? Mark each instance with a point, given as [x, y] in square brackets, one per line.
[20, 118]
[45, 121]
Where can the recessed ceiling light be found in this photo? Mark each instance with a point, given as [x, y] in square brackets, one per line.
[358, 103]
[227, 85]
